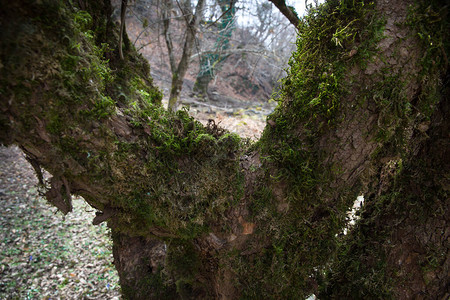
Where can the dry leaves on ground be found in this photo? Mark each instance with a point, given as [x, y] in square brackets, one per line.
[42, 254]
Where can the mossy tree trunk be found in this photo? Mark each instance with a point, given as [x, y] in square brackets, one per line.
[405, 222]
[196, 212]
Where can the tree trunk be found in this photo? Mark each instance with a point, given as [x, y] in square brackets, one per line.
[191, 31]
[406, 222]
[210, 63]
[196, 212]
[202, 83]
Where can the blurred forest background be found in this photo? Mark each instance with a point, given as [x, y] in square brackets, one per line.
[242, 46]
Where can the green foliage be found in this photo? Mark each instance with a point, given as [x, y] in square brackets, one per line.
[104, 107]
[326, 37]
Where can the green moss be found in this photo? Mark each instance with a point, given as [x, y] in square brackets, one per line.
[397, 113]
[104, 107]
[69, 63]
[149, 94]
[361, 271]
[206, 143]
[326, 37]
[55, 124]
[430, 22]
[177, 145]
[170, 180]
[333, 38]
[262, 200]
[316, 82]
[154, 285]
[83, 20]
[183, 261]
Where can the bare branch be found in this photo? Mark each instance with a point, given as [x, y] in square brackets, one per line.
[286, 11]
[123, 10]
[167, 6]
[223, 14]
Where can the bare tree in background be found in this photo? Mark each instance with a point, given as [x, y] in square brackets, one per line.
[261, 46]
[256, 45]
[192, 22]
[210, 62]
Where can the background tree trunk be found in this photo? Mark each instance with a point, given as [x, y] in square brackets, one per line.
[211, 62]
[178, 73]
[198, 213]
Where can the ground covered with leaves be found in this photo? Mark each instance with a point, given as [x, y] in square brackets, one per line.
[42, 254]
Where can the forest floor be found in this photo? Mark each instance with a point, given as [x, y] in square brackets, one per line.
[44, 255]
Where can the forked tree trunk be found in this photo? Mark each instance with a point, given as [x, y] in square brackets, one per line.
[196, 212]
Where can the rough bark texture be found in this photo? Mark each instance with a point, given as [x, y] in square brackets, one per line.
[197, 212]
[406, 223]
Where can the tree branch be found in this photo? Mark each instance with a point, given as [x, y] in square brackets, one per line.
[286, 11]
[166, 23]
[123, 12]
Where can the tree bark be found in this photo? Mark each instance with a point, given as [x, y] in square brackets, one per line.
[123, 12]
[406, 220]
[198, 213]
